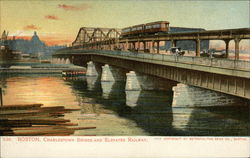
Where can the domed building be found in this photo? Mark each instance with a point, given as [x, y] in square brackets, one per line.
[36, 45]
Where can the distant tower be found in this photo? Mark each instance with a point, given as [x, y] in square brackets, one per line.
[4, 35]
[35, 37]
[4, 38]
[36, 45]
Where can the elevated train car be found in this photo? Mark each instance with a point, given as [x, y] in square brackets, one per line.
[148, 28]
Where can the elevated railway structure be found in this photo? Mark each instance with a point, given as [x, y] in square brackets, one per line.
[96, 38]
[107, 46]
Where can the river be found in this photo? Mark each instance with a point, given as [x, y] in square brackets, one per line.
[105, 106]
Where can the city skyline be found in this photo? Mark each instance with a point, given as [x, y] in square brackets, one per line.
[61, 20]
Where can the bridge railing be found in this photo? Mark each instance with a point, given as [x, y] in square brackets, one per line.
[213, 62]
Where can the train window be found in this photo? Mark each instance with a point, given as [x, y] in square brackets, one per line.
[139, 28]
[126, 30]
[134, 29]
[156, 26]
[148, 26]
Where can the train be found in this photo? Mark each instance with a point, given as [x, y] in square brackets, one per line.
[146, 29]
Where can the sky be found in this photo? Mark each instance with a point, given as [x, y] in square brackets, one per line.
[58, 21]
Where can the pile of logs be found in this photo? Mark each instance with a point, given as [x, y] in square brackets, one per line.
[35, 120]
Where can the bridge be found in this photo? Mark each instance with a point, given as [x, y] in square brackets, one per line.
[109, 51]
[95, 38]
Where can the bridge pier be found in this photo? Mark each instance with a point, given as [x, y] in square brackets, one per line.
[190, 96]
[111, 74]
[132, 82]
[91, 69]
[107, 75]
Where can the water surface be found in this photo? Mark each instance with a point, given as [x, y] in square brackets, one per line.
[105, 106]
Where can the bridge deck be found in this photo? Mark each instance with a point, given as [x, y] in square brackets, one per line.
[237, 68]
[223, 75]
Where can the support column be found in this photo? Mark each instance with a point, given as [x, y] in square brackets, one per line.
[72, 60]
[111, 47]
[237, 48]
[173, 43]
[130, 46]
[1, 97]
[138, 45]
[117, 45]
[198, 47]
[227, 47]
[144, 46]
[91, 69]
[107, 75]
[133, 43]
[158, 47]
[153, 45]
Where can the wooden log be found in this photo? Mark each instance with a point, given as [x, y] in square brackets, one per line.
[20, 123]
[44, 131]
[35, 120]
[20, 106]
[83, 128]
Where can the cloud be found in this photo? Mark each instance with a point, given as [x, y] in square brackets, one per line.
[31, 27]
[74, 7]
[51, 17]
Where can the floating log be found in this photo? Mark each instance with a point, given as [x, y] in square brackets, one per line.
[35, 120]
[83, 128]
[21, 106]
[49, 130]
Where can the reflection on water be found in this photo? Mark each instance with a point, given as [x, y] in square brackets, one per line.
[107, 88]
[114, 111]
[91, 82]
[132, 97]
[213, 121]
